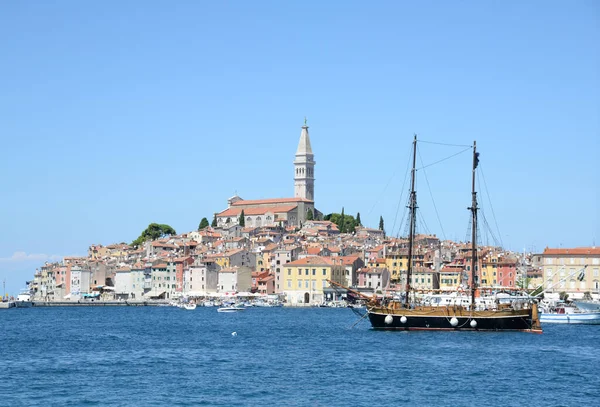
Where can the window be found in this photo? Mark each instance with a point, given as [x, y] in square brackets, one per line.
[289, 283]
[299, 283]
[306, 272]
[289, 272]
[314, 272]
[306, 284]
[324, 272]
[299, 272]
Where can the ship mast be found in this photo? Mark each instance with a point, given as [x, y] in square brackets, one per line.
[473, 209]
[413, 212]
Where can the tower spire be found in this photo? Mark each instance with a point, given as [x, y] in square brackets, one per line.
[304, 166]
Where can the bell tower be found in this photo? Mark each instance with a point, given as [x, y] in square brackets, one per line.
[304, 167]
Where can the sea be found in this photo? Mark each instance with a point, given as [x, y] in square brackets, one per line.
[167, 356]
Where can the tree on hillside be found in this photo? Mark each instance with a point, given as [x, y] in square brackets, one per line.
[342, 225]
[203, 224]
[381, 224]
[242, 219]
[358, 222]
[310, 215]
[214, 222]
[349, 223]
[152, 232]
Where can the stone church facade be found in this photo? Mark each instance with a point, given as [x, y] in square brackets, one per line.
[276, 211]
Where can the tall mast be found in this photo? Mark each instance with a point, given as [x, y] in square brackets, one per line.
[473, 209]
[413, 212]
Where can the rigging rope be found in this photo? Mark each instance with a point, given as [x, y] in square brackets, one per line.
[444, 159]
[445, 144]
[491, 207]
[400, 200]
[432, 200]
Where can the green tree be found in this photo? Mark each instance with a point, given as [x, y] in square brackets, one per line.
[203, 224]
[381, 224]
[310, 215]
[214, 222]
[358, 222]
[347, 221]
[242, 219]
[342, 225]
[152, 232]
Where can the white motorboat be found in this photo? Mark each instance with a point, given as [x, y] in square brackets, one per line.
[24, 299]
[563, 314]
[189, 306]
[232, 308]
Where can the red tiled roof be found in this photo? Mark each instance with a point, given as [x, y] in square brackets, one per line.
[347, 260]
[314, 260]
[269, 201]
[575, 250]
[160, 266]
[270, 247]
[314, 250]
[257, 211]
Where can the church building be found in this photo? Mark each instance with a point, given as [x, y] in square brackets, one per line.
[284, 211]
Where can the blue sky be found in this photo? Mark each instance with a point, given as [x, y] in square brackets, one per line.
[119, 114]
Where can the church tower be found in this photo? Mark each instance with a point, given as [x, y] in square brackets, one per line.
[304, 166]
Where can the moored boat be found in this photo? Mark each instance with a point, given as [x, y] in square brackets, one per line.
[189, 306]
[231, 308]
[568, 314]
[410, 313]
[24, 299]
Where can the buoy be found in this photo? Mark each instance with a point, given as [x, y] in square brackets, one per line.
[473, 323]
[389, 319]
[234, 334]
[403, 319]
[454, 321]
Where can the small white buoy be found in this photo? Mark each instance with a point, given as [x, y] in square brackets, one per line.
[454, 321]
[403, 319]
[389, 319]
[234, 334]
[473, 323]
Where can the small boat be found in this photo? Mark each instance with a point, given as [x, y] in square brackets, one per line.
[232, 308]
[189, 306]
[567, 314]
[24, 299]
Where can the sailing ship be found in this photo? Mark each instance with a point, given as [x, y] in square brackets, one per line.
[475, 312]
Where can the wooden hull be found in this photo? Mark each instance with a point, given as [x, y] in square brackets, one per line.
[453, 319]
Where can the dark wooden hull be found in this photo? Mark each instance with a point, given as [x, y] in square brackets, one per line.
[452, 319]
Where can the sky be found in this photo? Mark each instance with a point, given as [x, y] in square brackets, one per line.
[118, 114]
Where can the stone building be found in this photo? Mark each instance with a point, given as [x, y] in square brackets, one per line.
[279, 211]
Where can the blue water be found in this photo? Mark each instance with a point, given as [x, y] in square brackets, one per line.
[165, 356]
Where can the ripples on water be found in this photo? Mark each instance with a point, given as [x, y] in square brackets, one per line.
[164, 356]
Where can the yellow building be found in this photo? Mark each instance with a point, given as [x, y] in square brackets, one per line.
[575, 270]
[396, 261]
[489, 270]
[450, 276]
[304, 280]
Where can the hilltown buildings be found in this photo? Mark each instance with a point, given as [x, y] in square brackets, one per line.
[284, 248]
